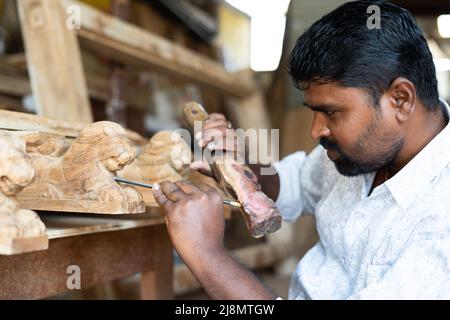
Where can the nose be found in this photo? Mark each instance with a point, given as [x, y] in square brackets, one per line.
[319, 128]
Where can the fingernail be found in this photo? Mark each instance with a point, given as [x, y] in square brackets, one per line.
[156, 187]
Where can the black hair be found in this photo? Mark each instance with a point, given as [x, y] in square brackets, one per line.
[341, 48]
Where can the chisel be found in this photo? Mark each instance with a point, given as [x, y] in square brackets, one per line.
[150, 186]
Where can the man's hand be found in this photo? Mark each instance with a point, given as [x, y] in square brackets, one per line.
[195, 222]
[218, 135]
[194, 217]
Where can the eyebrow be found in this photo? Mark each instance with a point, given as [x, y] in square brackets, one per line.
[322, 107]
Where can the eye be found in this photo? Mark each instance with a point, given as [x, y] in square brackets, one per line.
[329, 113]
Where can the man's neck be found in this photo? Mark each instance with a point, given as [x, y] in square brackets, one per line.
[422, 131]
[430, 126]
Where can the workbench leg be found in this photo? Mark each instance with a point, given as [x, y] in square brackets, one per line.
[157, 284]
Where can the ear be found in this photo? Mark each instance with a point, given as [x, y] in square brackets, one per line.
[402, 98]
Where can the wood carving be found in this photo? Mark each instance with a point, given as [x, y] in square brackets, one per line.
[166, 157]
[20, 230]
[80, 177]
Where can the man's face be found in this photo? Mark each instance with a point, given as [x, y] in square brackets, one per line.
[359, 137]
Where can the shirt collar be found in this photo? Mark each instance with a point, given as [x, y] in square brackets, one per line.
[419, 173]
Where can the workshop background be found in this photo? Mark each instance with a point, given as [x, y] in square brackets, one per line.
[231, 57]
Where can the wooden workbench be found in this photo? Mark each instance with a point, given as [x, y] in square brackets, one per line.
[105, 248]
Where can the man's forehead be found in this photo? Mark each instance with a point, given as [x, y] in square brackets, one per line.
[333, 94]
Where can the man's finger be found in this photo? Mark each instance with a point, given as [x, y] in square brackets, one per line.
[216, 116]
[215, 124]
[205, 187]
[160, 198]
[172, 192]
[211, 134]
[187, 187]
[228, 143]
[202, 167]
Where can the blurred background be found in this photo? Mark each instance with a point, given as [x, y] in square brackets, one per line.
[251, 38]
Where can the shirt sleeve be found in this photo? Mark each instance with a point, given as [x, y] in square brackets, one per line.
[421, 271]
[300, 183]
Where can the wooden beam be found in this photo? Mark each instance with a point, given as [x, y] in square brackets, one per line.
[17, 121]
[54, 61]
[101, 257]
[132, 45]
[63, 224]
[157, 283]
[16, 83]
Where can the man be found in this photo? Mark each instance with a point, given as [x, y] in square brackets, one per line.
[378, 185]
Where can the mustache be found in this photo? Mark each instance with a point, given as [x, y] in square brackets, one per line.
[328, 144]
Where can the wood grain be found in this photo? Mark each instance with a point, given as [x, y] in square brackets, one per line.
[20, 230]
[131, 45]
[54, 61]
[80, 177]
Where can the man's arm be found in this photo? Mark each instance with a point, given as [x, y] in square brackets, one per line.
[223, 278]
[195, 222]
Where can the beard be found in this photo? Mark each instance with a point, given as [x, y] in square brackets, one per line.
[371, 152]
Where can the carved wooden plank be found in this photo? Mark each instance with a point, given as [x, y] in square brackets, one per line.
[129, 44]
[80, 177]
[54, 61]
[20, 230]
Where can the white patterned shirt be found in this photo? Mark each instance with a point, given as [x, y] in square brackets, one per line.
[393, 244]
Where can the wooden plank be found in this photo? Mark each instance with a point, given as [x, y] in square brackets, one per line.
[54, 61]
[63, 225]
[101, 257]
[11, 120]
[253, 104]
[131, 45]
[21, 245]
[157, 283]
[15, 85]
[14, 81]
